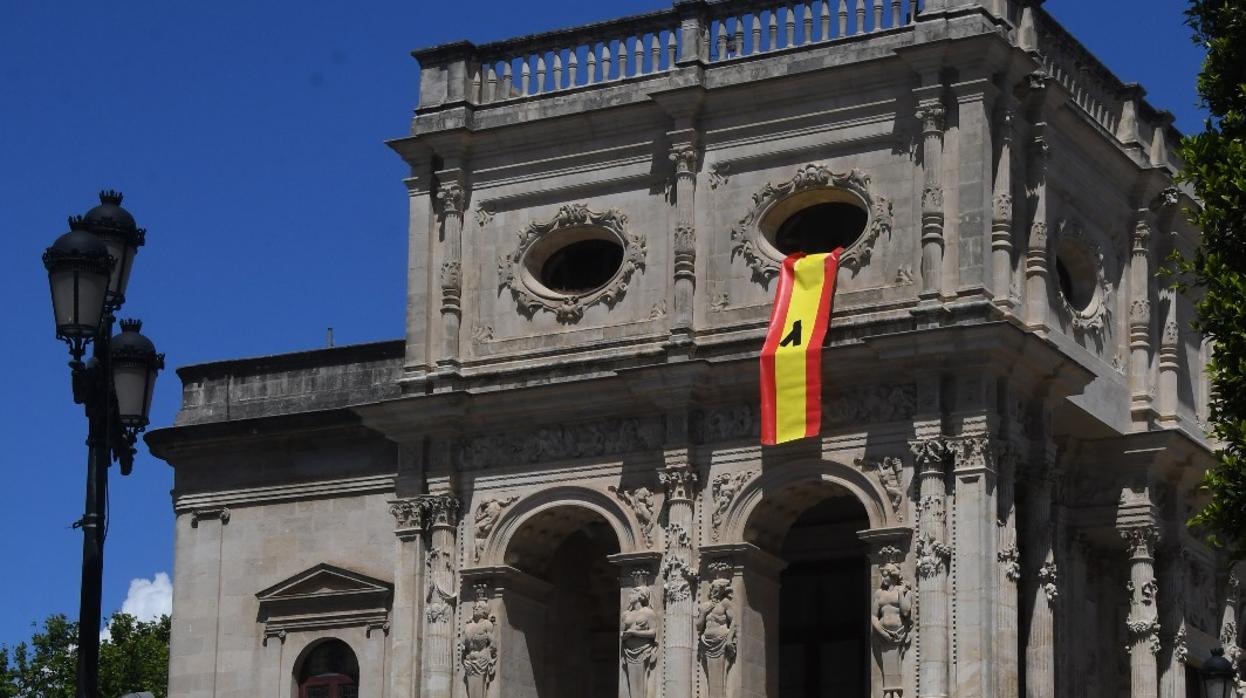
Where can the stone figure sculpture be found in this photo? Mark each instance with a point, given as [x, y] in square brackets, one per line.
[480, 652]
[717, 633]
[487, 513]
[640, 642]
[890, 617]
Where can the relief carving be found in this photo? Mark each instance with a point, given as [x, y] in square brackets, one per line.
[639, 640]
[676, 572]
[724, 489]
[716, 632]
[890, 473]
[1047, 576]
[480, 652]
[1010, 559]
[487, 513]
[641, 502]
[1096, 317]
[891, 620]
[569, 308]
[562, 442]
[746, 236]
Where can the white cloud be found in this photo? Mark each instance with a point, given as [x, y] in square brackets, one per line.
[147, 600]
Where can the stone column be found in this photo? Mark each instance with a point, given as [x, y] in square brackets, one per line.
[1001, 217]
[933, 554]
[441, 512]
[973, 537]
[1008, 573]
[1039, 569]
[1168, 366]
[684, 155]
[451, 196]
[1036, 293]
[1228, 621]
[1173, 570]
[408, 580]
[1143, 621]
[931, 113]
[416, 363]
[1140, 316]
[677, 573]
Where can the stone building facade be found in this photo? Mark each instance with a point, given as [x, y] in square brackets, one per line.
[553, 486]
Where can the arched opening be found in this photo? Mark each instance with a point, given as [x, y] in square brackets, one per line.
[330, 670]
[822, 636]
[572, 638]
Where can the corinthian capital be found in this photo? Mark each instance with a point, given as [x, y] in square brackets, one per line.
[929, 453]
[1141, 540]
[931, 116]
[685, 158]
[440, 510]
[679, 482]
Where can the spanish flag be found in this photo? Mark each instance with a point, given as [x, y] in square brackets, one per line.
[791, 360]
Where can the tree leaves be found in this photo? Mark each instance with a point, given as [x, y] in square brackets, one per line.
[136, 658]
[1216, 167]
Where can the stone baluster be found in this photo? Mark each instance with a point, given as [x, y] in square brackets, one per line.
[931, 115]
[756, 33]
[441, 512]
[1143, 621]
[408, 581]
[1168, 355]
[895, 13]
[605, 62]
[1037, 308]
[824, 16]
[738, 47]
[933, 553]
[807, 23]
[878, 14]
[671, 49]
[677, 576]
[1008, 573]
[684, 156]
[638, 55]
[525, 75]
[1001, 217]
[591, 65]
[860, 4]
[451, 196]
[789, 26]
[843, 18]
[1140, 315]
[620, 57]
[1040, 576]
[773, 30]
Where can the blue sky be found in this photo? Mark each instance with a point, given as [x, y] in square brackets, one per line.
[248, 139]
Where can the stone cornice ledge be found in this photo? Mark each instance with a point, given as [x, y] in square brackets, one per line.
[323, 489]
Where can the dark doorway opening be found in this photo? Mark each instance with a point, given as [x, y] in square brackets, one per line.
[824, 639]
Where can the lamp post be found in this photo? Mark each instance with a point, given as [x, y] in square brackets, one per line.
[1216, 675]
[88, 269]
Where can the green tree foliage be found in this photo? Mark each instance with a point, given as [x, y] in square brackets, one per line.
[135, 658]
[1216, 167]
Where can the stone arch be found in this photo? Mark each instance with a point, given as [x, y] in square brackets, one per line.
[625, 529]
[773, 480]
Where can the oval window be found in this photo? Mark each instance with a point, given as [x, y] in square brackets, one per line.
[821, 228]
[1075, 272]
[576, 266]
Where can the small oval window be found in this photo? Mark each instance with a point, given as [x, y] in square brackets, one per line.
[1075, 273]
[821, 228]
[581, 266]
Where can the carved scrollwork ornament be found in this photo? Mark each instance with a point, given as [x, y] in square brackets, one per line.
[531, 297]
[749, 244]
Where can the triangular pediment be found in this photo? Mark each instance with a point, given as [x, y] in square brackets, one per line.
[324, 580]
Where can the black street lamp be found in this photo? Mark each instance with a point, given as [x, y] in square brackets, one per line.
[88, 269]
[1216, 675]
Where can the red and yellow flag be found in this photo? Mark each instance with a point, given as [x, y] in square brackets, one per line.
[791, 360]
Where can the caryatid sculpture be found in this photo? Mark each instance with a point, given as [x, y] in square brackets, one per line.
[717, 633]
[639, 640]
[480, 652]
[890, 617]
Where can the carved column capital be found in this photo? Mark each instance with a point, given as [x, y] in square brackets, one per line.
[440, 510]
[679, 482]
[1141, 541]
[929, 454]
[408, 517]
[931, 116]
[973, 452]
[1141, 237]
[451, 196]
[684, 156]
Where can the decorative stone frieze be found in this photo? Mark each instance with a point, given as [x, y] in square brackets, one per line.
[750, 245]
[531, 297]
[562, 442]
